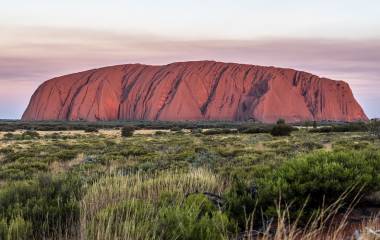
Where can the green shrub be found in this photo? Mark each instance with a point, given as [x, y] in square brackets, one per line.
[321, 130]
[30, 135]
[127, 131]
[252, 130]
[374, 128]
[91, 130]
[176, 129]
[240, 202]
[280, 121]
[322, 177]
[8, 136]
[158, 133]
[197, 218]
[217, 131]
[348, 127]
[46, 204]
[281, 130]
[196, 131]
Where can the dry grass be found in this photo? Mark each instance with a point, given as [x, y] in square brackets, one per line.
[327, 224]
[61, 167]
[111, 190]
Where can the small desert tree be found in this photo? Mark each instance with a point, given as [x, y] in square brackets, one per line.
[281, 128]
[315, 125]
[127, 131]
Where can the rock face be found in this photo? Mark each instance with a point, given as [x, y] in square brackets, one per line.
[202, 90]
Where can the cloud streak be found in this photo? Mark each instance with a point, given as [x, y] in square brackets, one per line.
[43, 53]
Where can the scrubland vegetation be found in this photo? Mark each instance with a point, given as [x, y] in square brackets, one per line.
[189, 181]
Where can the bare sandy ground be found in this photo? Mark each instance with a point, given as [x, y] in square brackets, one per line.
[107, 132]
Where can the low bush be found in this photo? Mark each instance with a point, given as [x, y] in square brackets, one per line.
[253, 130]
[348, 127]
[127, 131]
[9, 136]
[91, 130]
[217, 131]
[43, 206]
[175, 129]
[240, 202]
[321, 130]
[321, 177]
[281, 130]
[31, 134]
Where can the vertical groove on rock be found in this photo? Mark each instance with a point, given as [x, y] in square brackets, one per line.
[171, 93]
[211, 95]
[76, 94]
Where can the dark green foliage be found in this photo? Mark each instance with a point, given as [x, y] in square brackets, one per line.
[196, 131]
[281, 130]
[253, 130]
[374, 128]
[348, 127]
[322, 130]
[31, 134]
[197, 218]
[27, 135]
[217, 131]
[91, 130]
[160, 133]
[280, 121]
[176, 129]
[322, 177]
[127, 131]
[8, 136]
[240, 202]
[45, 205]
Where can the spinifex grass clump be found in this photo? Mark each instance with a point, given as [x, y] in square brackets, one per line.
[163, 206]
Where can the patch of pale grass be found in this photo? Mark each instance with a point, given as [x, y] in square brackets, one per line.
[60, 167]
[111, 190]
[150, 131]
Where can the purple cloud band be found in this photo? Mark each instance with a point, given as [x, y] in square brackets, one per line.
[34, 55]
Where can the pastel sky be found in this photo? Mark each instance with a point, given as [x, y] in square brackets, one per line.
[41, 39]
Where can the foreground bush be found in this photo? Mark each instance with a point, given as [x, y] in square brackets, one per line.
[45, 207]
[322, 177]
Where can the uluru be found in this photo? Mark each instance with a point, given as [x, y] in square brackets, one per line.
[198, 90]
